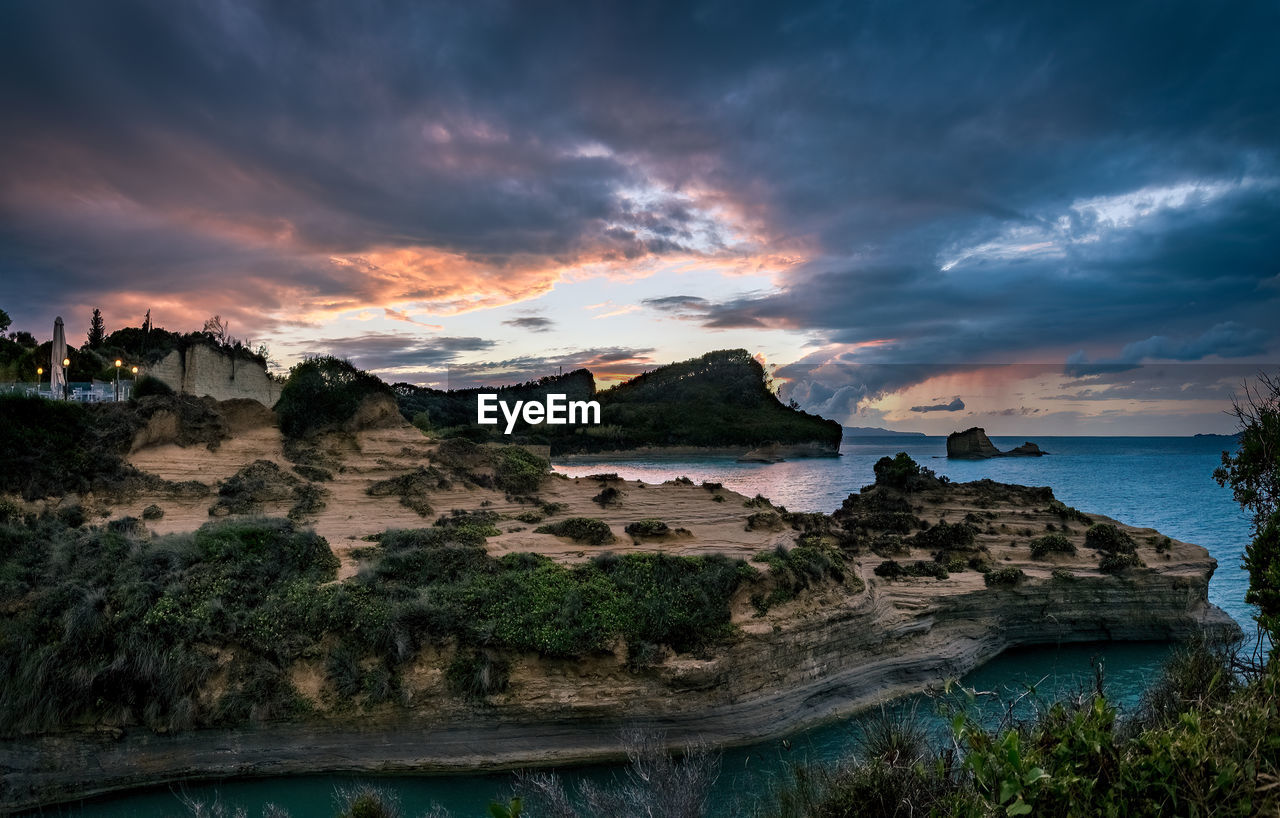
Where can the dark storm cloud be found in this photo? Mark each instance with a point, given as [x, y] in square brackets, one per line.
[387, 351]
[610, 362]
[1160, 382]
[678, 304]
[1227, 340]
[968, 184]
[954, 405]
[533, 323]
[435, 361]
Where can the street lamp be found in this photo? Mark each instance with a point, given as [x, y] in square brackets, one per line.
[119, 363]
[66, 379]
[39, 378]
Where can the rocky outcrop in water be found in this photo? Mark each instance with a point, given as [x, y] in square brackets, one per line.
[973, 444]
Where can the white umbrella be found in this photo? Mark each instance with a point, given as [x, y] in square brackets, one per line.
[58, 375]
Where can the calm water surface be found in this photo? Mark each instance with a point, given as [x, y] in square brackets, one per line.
[1163, 483]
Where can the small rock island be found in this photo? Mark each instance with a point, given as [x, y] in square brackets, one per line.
[973, 444]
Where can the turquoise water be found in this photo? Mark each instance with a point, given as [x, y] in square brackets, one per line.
[1164, 483]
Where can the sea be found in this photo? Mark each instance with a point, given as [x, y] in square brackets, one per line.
[1164, 483]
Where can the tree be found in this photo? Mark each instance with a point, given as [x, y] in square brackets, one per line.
[5, 320]
[1253, 472]
[216, 328]
[897, 471]
[97, 329]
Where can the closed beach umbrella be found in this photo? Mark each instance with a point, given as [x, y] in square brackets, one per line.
[57, 374]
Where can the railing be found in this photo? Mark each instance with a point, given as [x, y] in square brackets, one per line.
[80, 392]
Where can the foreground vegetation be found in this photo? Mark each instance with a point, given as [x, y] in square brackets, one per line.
[109, 625]
[1206, 741]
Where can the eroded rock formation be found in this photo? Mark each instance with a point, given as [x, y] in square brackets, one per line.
[973, 444]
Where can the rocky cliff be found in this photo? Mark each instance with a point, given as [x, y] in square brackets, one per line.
[843, 644]
[203, 369]
[973, 444]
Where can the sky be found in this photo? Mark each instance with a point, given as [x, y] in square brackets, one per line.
[1050, 218]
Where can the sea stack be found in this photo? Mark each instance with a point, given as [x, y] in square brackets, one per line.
[973, 444]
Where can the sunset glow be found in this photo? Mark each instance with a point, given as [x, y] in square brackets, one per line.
[861, 196]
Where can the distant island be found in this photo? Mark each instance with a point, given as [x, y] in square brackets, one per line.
[876, 431]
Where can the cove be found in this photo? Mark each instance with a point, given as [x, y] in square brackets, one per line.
[747, 773]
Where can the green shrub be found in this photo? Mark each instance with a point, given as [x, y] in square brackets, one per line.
[412, 488]
[245, 492]
[764, 521]
[520, 472]
[892, 569]
[1051, 544]
[945, 537]
[1106, 537]
[648, 528]
[896, 522]
[1004, 577]
[152, 512]
[323, 393]
[579, 529]
[1067, 513]
[795, 569]
[1114, 563]
[474, 526]
[889, 545]
[1199, 674]
[678, 601]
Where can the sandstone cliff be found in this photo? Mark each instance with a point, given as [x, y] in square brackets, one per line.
[203, 369]
[839, 646]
